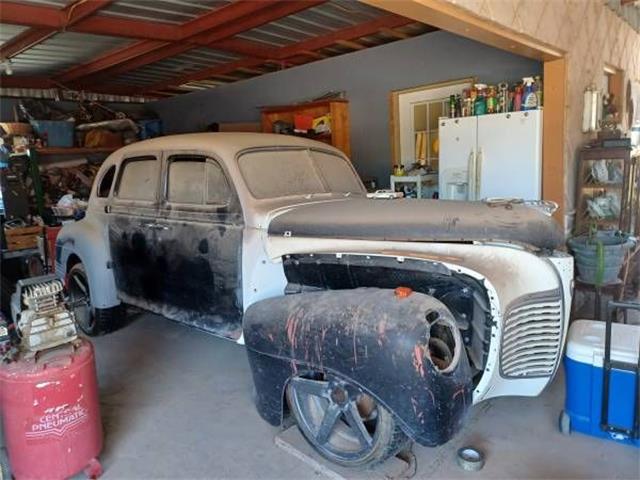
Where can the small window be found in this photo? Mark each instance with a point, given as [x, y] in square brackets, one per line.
[139, 179]
[196, 180]
[218, 191]
[186, 180]
[107, 180]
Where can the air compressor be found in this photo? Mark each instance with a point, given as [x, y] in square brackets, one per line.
[48, 388]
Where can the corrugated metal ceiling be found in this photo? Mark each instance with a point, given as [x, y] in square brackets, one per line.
[68, 49]
[63, 51]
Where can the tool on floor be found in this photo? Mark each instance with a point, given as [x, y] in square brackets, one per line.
[48, 388]
[470, 459]
[602, 371]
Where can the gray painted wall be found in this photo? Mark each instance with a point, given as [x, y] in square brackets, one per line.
[367, 77]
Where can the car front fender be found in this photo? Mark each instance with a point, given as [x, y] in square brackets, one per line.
[85, 239]
[372, 337]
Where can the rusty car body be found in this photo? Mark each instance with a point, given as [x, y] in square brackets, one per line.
[373, 321]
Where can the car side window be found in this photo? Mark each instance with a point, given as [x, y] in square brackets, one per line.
[105, 183]
[196, 180]
[186, 179]
[139, 179]
[218, 191]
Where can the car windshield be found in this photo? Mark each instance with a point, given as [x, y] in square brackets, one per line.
[284, 173]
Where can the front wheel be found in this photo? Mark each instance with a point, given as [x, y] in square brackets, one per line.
[343, 423]
[92, 321]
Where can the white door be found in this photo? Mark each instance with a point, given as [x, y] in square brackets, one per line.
[418, 114]
[458, 144]
[509, 156]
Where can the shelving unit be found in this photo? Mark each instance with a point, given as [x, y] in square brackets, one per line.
[33, 155]
[73, 150]
[338, 109]
[607, 195]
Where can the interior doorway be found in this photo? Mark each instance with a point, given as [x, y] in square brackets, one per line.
[417, 111]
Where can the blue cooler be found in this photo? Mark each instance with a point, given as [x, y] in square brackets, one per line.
[585, 374]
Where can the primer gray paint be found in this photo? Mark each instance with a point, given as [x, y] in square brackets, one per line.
[366, 76]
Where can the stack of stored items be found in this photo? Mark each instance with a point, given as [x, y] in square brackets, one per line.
[61, 180]
[90, 125]
[484, 99]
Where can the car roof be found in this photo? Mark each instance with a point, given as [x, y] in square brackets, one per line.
[223, 143]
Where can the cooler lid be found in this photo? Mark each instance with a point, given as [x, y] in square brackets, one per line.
[585, 343]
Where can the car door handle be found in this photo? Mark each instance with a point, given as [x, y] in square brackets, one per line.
[156, 226]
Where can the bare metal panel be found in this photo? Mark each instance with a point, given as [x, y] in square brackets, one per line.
[63, 51]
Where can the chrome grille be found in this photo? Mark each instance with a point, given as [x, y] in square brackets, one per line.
[531, 340]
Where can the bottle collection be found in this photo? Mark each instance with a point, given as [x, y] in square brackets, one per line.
[482, 99]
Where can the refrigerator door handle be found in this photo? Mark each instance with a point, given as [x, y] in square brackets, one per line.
[471, 175]
[478, 175]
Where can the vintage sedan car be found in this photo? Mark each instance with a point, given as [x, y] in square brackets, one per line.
[373, 322]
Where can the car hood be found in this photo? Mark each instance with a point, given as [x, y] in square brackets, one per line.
[418, 221]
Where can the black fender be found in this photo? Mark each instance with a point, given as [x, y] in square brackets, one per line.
[379, 339]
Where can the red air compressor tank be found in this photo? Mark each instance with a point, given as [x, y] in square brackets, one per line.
[50, 412]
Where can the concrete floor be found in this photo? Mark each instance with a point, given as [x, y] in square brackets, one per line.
[177, 403]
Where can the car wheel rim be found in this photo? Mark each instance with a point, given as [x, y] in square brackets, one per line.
[338, 418]
[81, 301]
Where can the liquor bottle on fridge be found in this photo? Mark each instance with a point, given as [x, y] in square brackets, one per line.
[491, 156]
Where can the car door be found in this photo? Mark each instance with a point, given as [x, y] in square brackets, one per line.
[132, 216]
[200, 244]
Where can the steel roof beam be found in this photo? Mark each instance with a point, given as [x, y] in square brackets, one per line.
[298, 49]
[70, 15]
[222, 23]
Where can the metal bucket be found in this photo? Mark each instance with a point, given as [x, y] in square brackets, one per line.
[591, 264]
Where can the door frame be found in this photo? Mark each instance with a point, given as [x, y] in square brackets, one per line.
[452, 18]
[395, 117]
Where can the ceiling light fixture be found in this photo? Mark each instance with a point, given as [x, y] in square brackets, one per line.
[8, 67]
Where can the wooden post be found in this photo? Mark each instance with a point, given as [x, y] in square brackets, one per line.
[553, 166]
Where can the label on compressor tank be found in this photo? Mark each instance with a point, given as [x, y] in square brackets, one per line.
[52, 418]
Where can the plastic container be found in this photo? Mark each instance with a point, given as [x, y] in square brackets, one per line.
[50, 412]
[150, 128]
[584, 374]
[57, 133]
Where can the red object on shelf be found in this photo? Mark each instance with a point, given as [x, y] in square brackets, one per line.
[51, 414]
[302, 122]
[52, 235]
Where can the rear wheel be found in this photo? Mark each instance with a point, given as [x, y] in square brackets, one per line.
[343, 423]
[92, 321]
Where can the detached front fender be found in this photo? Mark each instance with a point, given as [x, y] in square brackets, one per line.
[405, 351]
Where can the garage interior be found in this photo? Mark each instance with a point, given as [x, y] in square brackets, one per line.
[417, 94]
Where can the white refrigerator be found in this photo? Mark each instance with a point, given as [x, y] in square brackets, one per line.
[488, 156]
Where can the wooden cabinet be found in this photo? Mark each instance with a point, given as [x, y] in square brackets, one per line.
[339, 136]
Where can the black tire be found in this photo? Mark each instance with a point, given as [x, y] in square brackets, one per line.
[91, 320]
[343, 423]
[5, 471]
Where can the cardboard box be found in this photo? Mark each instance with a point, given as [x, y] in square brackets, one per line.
[16, 128]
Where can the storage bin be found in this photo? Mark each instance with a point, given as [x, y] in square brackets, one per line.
[57, 133]
[584, 374]
[150, 128]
